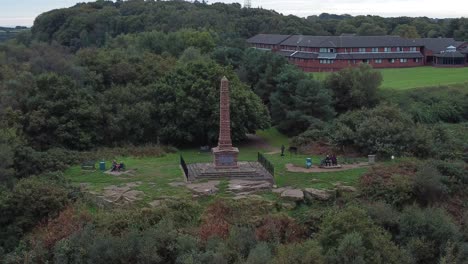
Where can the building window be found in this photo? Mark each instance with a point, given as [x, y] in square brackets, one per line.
[387, 49]
[378, 61]
[391, 60]
[362, 49]
[403, 60]
[416, 59]
[412, 49]
[399, 49]
[326, 61]
[365, 61]
[323, 50]
[375, 49]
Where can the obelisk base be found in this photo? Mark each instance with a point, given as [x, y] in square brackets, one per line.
[225, 158]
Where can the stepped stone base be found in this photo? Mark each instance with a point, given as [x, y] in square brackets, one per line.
[244, 171]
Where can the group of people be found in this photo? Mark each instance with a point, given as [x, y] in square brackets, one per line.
[117, 166]
[329, 161]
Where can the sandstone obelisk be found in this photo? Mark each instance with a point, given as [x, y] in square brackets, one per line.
[225, 155]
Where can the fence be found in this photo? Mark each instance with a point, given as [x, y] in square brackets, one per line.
[184, 167]
[266, 164]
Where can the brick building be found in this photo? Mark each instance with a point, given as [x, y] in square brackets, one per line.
[332, 53]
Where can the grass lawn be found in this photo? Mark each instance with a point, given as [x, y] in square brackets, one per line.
[156, 173]
[408, 78]
[273, 137]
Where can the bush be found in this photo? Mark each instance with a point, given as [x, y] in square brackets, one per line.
[376, 246]
[384, 130]
[261, 254]
[31, 200]
[424, 230]
[308, 252]
[384, 215]
[279, 229]
[428, 186]
[393, 184]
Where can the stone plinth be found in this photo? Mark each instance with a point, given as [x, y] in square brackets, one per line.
[244, 171]
[225, 158]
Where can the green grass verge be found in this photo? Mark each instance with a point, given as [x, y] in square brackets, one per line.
[417, 77]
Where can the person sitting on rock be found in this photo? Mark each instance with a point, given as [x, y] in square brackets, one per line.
[328, 161]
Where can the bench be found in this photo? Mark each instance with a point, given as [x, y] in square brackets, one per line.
[88, 165]
[292, 150]
[330, 167]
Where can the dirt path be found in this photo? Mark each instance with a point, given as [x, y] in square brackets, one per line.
[293, 168]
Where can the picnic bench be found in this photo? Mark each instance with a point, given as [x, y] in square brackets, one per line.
[88, 165]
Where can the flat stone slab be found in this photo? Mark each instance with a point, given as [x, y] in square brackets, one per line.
[248, 186]
[317, 194]
[281, 189]
[293, 194]
[177, 184]
[121, 195]
[345, 188]
[204, 188]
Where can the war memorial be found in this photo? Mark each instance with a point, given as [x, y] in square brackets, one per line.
[225, 157]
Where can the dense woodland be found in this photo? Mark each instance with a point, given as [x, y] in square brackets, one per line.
[116, 77]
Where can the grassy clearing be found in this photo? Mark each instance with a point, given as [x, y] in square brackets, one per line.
[273, 137]
[409, 78]
[156, 173]
[423, 77]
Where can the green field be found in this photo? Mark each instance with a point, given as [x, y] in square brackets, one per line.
[409, 78]
[156, 173]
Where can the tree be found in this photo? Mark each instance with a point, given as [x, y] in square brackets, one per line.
[188, 105]
[354, 88]
[368, 29]
[406, 31]
[299, 102]
[385, 130]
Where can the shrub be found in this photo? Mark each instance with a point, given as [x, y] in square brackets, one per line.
[214, 221]
[392, 184]
[31, 201]
[428, 186]
[349, 251]
[377, 247]
[384, 215]
[279, 229]
[261, 254]
[384, 130]
[241, 240]
[425, 230]
[308, 252]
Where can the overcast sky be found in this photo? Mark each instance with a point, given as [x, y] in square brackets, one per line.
[23, 12]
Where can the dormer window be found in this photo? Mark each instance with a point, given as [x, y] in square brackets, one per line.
[327, 50]
[451, 49]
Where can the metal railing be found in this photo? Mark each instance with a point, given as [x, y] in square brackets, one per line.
[266, 164]
[184, 167]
